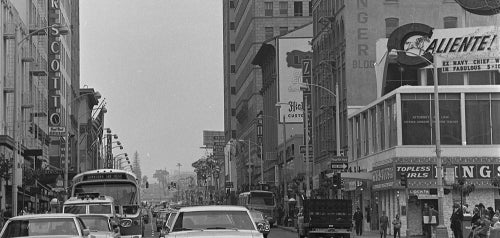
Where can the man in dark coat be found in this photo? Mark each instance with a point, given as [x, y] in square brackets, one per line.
[456, 221]
[358, 221]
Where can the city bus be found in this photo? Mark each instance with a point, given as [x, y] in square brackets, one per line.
[260, 200]
[123, 186]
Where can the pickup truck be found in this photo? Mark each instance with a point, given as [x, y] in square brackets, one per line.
[325, 218]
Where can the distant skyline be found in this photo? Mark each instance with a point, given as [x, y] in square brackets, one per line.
[158, 64]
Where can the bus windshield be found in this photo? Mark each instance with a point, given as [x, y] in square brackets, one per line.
[261, 198]
[123, 193]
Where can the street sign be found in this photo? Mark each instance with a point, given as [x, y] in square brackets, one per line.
[339, 159]
[339, 165]
[57, 130]
[303, 149]
[229, 185]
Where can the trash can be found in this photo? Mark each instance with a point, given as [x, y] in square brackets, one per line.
[466, 225]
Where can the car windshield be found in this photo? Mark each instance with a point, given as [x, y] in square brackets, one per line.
[123, 193]
[257, 215]
[96, 223]
[132, 209]
[75, 209]
[41, 227]
[260, 198]
[201, 220]
[100, 209]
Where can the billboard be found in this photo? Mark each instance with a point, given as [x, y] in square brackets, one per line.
[291, 52]
[54, 84]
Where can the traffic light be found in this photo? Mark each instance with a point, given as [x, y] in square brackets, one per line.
[337, 181]
[404, 179]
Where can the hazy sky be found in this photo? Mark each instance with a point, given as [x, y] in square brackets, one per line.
[158, 63]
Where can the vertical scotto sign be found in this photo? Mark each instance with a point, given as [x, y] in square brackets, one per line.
[54, 56]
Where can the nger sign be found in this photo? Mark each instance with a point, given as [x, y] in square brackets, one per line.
[456, 49]
[54, 84]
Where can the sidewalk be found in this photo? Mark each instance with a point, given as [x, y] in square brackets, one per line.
[368, 234]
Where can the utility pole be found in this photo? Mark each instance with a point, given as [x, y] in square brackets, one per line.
[178, 182]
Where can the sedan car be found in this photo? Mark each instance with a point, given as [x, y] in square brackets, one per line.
[261, 222]
[213, 221]
[101, 225]
[45, 225]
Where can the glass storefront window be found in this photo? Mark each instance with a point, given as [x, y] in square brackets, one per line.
[417, 126]
[482, 114]
[391, 118]
[416, 123]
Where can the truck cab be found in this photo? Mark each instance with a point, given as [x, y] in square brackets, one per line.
[325, 218]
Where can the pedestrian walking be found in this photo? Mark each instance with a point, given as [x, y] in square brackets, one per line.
[456, 221]
[396, 224]
[384, 223]
[358, 221]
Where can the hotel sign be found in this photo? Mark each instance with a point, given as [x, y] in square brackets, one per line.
[54, 78]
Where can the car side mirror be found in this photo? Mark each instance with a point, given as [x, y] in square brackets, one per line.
[86, 232]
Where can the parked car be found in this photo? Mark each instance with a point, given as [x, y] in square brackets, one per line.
[212, 221]
[45, 225]
[261, 222]
[101, 225]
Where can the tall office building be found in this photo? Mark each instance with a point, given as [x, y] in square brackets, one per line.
[247, 24]
[344, 39]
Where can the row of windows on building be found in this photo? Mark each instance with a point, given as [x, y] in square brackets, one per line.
[392, 23]
[298, 9]
[376, 128]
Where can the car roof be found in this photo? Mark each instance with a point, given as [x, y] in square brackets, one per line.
[94, 215]
[213, 208]
[40, 216]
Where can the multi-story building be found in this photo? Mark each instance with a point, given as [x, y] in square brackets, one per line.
[280, 60]
[40, 65]
[344, 54]
[248, 23]
[90, 131]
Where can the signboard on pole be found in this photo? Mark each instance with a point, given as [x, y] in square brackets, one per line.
[57, 130]
[306, 75]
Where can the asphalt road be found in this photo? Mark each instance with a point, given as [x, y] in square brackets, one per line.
[150, 231]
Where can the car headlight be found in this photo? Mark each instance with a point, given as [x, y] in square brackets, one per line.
[126, 223]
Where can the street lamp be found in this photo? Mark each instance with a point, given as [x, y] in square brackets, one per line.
[261, 160]
[66, 140]
[441, 230]
[285, 189]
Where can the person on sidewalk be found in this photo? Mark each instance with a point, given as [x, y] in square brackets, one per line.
[358, 221]
[384, 223]
[456, 221]
[396, 223]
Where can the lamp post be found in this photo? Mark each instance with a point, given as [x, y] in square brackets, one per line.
[337, 118]
[66, 140]
[441, 230]
[285, 189]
